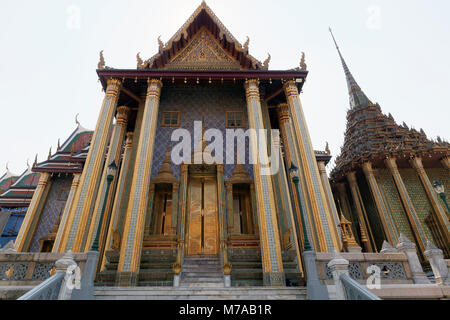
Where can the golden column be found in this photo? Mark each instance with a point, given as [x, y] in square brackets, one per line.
[131, 247]
[432, 196]
[90, 178]
[330, 199]
[384, 212]
[366, 232]
[114, 152]
[62, 229]
[315, 191]
[446, 162]
[408, 205]
[115, 226]
[273, 274]
[175, 191]
[29, 224]
[313, 228]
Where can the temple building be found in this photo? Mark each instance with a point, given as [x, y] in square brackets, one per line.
[119, 191]
[387, 178]
[144, 190]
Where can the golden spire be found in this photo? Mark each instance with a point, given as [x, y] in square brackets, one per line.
[246, 44]
[327, 148]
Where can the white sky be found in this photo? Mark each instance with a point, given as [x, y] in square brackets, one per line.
[398, 52]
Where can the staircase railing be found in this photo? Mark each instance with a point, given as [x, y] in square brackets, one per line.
[47, 290]
[355, 291]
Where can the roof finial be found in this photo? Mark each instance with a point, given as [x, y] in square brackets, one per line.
[266, 62]
[49, 153]
[303, 65]
[76, 120]
[35, 160]
[59, 145]
[160, 44]
[28, 164]
[246, 44]
[327, 148]
[101, 63]
[140, 62]
[7, 168]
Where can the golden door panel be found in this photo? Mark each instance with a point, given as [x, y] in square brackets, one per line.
[202, 220]
[195, 217]
[210, 218]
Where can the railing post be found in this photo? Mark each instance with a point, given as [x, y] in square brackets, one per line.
[86, 291]
[436, 258]
[66, 265]
[409, 248]
[338, 267]
[315, 289]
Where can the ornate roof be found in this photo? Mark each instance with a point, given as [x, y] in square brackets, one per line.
[70, 156]
[21, 191]
[372, 135]
[203, 43]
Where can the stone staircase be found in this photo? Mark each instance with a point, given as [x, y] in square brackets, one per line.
[201, 279]
[201, 272]
[200, 293]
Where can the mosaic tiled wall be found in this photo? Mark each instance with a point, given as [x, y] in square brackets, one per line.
[52, 209]
[197, 102]
[418, 197]
[442, 175]
[372, 213]
[389, 190]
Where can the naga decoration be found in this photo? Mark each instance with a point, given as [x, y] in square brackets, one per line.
[266, 62]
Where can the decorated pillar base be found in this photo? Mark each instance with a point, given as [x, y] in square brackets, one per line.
[127, 279]
[274, 279]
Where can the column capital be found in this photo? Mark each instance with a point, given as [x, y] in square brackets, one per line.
[290, 88]
[113, 87]
[44, 179]
[351, 176]
[122, 115]
[252, 89]
[367, 167]
[391, 163]
[184, 169]
[283, 113]
[446, 162]
[229, 186]
[322, 167]
[220, 168]
[154, 88]
[129, 140]
[175, 186]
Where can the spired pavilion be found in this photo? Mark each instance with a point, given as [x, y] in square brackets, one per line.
[116, 188]
[385, 179]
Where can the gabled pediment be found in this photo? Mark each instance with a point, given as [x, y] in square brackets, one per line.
[203, 52]
[202, 42]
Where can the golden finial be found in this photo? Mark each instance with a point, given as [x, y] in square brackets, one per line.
[266, 62]
[59, 145]
[35, 161]
[160, 43]
[49, 153]
[101, 63]
[303, 65]
[76, 120]
[246, 44]
[327, 148]
[140, 62]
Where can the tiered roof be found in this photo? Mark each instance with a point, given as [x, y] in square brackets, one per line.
[372, 135]
[19, 193]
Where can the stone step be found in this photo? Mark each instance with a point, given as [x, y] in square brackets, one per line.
[202, 274]
[199, 293]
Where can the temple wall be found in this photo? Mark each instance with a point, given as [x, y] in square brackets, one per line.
[195, 102]
[387, 186]
[52, 210]
[442, 175]
[418, 197]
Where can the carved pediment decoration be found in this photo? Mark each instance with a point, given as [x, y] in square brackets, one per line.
[203, 52]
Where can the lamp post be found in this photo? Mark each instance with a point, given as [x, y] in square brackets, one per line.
[110, 173]
[440, 190]
[293, 171]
